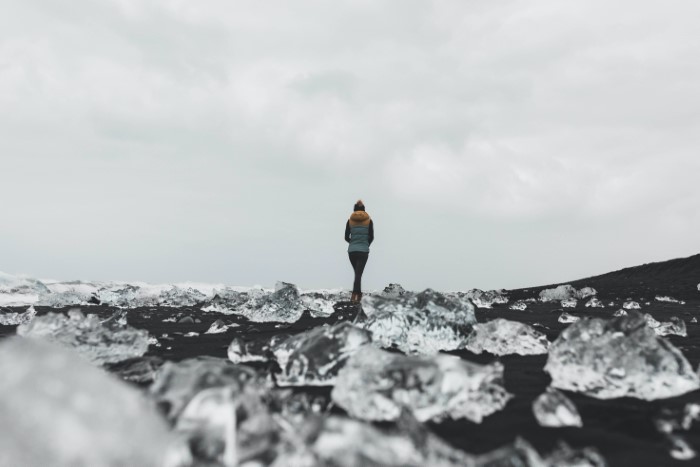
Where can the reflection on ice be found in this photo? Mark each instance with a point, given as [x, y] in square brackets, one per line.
[378, 385]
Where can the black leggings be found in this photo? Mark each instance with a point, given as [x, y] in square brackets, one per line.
[358, 259]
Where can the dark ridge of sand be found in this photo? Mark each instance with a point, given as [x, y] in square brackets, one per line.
[677, 278]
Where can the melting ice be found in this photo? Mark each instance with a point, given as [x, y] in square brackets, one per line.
[378, 385]
[617, 358]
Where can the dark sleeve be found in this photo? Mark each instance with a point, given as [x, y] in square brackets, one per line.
[371, 231]
[347, 231]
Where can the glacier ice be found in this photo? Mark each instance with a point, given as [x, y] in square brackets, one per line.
[226, 425]
[314, 357]
[99, 342]
[62, 294]
[283, 305]
[178, 296]
[486, 299]
[19, 290]
[426, 322]
[139, 370]
[565, 456]
[660, 298]
[393, 291]
[617, 358]
[595, 303]
[219, 327]
[59, 410]
[246, 351]
[568, 318]
[341, 441]
[569, 303]
[378, 385]
[504, 337]
[177, 383]
[673, 420]
[15, 319]
[564, 292]
[675, 326]
[553, 409]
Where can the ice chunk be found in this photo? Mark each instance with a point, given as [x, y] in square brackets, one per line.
[58, 410]
[564, 292]
[342, 441]
[393, 291]
[675, 326]
[139, 370]
[218, 327]
[242, 351]
[15, 319]
[553, 409]
[631, 305]
[377, 385]
[177, 383]
[520, 305]
[178, 296]
[504, 337]
[122, 295]
[100, 343]
[568, 318]
[313, 358]
[672, 420]
[620, 312]
[227, 425]
[486, 299]
[283, 305]
[320, 305]
[565, 456]
[617, 358]
[69, 293]
[420, 323]
[659, 298]
[594, 303]
[20, 291]
[569, 303]
[518, 454]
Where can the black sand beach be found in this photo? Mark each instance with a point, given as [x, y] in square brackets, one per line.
[621, 429]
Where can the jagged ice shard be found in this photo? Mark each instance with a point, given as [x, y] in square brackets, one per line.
[15, 319]
[553, 409]
[617, 358]
[378, 385]
[422, 323]
[177, 383]
[110, 341]
[58, 410]
[504, 337]
[314, 357]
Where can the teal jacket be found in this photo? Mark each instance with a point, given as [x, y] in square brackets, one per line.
[359, 232]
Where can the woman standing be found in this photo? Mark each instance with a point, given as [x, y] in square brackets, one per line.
[359, 233]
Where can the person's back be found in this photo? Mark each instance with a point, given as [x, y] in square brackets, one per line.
[359, 233]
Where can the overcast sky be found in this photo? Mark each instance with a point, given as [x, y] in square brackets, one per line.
[495, 143]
